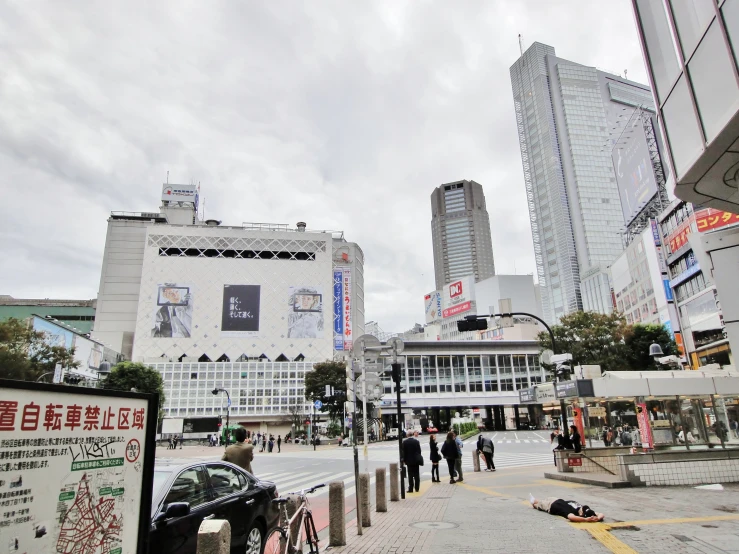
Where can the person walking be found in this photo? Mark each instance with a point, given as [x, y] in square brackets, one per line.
[240, 453]
[486, 446]
[458, 461]
[182, 439]
[575, 438]
[734, 427]
[271, 444]
[449, 451]
[413, 459]
[279, 443]
[174, 442]
[435, 458]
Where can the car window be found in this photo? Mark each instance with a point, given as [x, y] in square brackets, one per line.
[225, 480]
[189, 487]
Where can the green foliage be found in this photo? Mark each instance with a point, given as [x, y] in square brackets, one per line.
[25, 355]
[638, 339]
[608, 341]
[464, 428]
[129, 375]
[325, 373]
[333, 429]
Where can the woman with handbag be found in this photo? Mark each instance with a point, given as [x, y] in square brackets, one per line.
[435, 458]
[449, 451]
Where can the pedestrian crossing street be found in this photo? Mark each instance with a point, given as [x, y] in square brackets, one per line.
[291, 481]
[394, 444]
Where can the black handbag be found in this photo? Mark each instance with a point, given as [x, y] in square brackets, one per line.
[420, 461]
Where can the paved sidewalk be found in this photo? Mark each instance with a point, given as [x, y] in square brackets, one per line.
[491, 513]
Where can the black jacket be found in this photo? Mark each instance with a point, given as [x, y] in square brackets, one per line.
[449, 450]
[434, 447]
[412, 452]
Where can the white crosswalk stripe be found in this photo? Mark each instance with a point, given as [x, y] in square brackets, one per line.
[290, 481]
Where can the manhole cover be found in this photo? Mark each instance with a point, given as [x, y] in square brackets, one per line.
[433, 525]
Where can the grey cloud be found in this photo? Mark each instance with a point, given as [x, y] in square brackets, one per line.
[345, 115]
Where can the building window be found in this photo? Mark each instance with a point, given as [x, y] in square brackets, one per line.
[445, 373]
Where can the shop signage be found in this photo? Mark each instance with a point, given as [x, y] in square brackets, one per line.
[545, 393]
[571, 389]
[645, 430]
[597, 411]
[527, 395]
[79, 466]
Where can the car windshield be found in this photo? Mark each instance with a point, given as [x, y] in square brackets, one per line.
[160, 477]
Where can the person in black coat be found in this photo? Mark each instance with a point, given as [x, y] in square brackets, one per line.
[450, 453]
[575, 438]
[412, 458]
[435, 459]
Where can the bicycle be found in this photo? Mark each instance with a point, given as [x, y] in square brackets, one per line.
[278, 539]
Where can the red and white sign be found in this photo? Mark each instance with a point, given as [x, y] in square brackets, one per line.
[458, 309]
[458, 297]
[645, 430]
[574, 462]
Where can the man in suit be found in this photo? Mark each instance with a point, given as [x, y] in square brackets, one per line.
[240, 453]
[412, 458]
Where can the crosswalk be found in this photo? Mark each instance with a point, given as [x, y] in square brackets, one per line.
[289, 481]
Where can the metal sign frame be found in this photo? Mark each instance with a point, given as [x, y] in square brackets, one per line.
[147, 468]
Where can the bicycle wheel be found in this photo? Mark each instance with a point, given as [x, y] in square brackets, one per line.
[311, 536]
[275, 541]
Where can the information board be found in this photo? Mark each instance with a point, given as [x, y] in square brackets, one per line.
[76, 468]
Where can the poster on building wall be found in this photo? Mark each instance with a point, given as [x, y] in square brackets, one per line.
[338, 309]
[645, 430]
[240, 316]
[54, 334]
[305, 313]
[173, 313]
[77, 469]
[634, 172]
[347, 297]
[458, 297]
[708, 219]
[432, 306]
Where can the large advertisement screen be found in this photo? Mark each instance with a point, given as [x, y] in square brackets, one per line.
[55, 335]
[338, 309]
[458, 297]
[173, 311]
[432, 306]
[241, 304]
[77, 469]
[305, 313]
[634, 173]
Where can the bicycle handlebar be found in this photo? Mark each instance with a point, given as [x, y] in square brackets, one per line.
[303, 492]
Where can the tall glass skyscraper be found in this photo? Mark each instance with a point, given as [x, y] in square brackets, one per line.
[566, 115]
[460, 230]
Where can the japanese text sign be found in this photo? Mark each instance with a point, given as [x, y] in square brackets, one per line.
[710, 218]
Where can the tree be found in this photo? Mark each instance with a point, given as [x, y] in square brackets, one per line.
[638, 339]
[130, 375]
[26, 354]
[591, 338]
[295, 415]
[325, 373]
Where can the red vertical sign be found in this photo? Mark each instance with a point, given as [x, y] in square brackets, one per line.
[645, 430]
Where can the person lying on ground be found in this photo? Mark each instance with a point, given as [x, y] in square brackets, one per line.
[568, 509]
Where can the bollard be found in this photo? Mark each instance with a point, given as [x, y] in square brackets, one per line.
[394, 490]
[336, 523]
[214, 537]
[364, 498]
[380, 490]
[476, 460]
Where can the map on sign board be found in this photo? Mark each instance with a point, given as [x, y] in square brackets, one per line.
[73, 474]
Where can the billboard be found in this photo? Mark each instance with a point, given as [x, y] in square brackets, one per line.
[634, 173]
[55, 335]
[179, 193]
[338, 310]
[432, 306]
[240, 315]
[709, 219]
[347, 316]
[77, 468]
[173, 311]
[305, 313]
[458, 297]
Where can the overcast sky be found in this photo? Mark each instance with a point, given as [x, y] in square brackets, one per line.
[345, 115]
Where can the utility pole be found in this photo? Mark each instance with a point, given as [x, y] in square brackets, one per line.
[356, 452]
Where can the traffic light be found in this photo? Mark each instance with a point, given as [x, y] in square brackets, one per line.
[396, 373]
[471, 323]
[220, 421]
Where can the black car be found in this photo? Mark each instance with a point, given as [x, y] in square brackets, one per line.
[186, 494]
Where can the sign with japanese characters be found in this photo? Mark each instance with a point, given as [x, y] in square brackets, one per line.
[347, 317]
[338, 309]
[240, 317]
[708, 219]
[76, 468]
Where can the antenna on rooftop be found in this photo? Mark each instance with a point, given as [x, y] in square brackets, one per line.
[520, 43]
[625, 73]
[168, 176]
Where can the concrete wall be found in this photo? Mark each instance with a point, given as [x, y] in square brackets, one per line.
[684, 468]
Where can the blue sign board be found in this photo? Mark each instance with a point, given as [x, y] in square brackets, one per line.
[318, 404]
[338, 310]
[668, 289]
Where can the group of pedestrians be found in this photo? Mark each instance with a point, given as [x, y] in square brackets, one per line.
[173, 441]
[567, 440]
[268, 443]
[451, 451]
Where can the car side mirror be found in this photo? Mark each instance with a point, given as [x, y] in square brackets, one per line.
[175, 509]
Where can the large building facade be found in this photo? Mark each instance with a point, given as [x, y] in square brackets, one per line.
[460, 231]
[77, 314]
[566, 113]
[248, 308]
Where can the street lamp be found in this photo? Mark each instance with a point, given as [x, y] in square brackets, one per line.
[228, 409]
